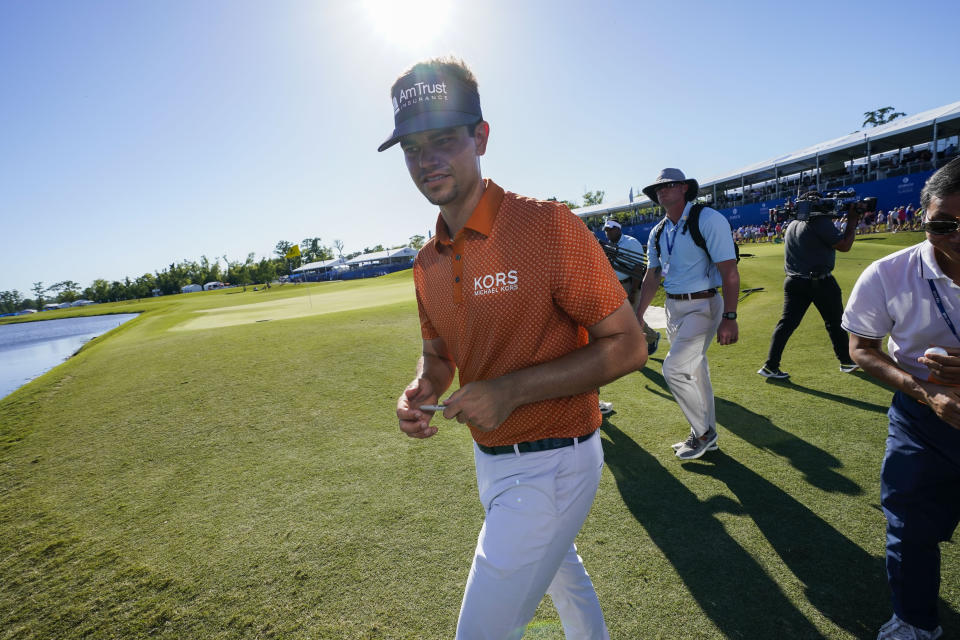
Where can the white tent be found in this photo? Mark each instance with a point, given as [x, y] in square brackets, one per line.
[320, 267]
[403, 254]
[190, 288]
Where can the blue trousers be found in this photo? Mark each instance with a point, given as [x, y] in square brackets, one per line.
[920, 495]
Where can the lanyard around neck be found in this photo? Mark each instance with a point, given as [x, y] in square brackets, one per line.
[672, 235]
[943, 311]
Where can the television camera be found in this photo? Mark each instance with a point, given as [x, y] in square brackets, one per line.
[625, 260]
[813, 204]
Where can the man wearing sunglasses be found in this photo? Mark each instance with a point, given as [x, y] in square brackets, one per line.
[913, 296]
[696, 311]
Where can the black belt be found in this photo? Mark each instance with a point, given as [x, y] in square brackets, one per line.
[536, 445]
[814, 276]
[697, 295]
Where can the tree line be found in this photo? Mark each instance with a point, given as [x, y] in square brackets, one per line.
[177, 275]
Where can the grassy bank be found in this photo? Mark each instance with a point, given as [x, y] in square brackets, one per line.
[228, 465]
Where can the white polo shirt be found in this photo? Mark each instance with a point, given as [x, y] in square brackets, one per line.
[892, 296]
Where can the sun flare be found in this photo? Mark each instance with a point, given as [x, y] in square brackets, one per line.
[408, 23]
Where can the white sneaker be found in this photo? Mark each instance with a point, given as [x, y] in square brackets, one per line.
[606, 407]
[848, 367]
[897, 629]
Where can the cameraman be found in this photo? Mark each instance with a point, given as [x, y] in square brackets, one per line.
[631, 281]
[810, 249]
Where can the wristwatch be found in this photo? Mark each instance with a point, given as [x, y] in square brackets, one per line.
[729, 315]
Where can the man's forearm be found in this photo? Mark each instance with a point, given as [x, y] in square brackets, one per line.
[437, 369]
[846, 241]
[648, 289]
[730, 277]
[602, 361]
[882, 367]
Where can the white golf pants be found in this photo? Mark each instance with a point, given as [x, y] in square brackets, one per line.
[535, 504]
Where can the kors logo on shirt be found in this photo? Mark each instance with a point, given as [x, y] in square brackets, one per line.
[496, 283]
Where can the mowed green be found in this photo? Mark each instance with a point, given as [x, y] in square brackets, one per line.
[247, 480]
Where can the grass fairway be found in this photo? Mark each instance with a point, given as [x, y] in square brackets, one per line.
[203, 473]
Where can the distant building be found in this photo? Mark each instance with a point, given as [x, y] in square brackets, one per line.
[320, 268]
[190, 288]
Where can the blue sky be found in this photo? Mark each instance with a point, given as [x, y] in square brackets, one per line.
[134, 133]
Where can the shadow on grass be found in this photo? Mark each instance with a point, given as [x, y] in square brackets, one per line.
[866, 377]
[817, 466]
[833, 397]
[727, 583]
[844, 582]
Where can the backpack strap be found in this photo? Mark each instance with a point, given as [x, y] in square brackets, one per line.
[693, 224]
[657, 231]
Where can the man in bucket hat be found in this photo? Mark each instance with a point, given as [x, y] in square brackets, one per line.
[534, 324]
[696, 312]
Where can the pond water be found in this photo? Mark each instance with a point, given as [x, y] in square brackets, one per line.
[30, 349]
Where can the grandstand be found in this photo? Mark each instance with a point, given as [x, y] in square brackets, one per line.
[367, 265]
[890, 162]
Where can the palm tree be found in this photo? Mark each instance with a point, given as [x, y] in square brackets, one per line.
[881, 116]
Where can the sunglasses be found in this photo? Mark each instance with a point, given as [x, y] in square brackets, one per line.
[667, 185]
[941, 227]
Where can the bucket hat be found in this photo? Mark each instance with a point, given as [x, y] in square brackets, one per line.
[672, 175]
[428, 100]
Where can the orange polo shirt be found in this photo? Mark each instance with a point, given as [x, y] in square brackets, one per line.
[515, 288]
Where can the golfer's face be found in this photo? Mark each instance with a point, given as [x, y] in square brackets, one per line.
[444, 163]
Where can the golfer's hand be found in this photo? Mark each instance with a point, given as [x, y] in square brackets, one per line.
[729, 332]
[483, 405]
[945, 402]
[414, 422]
[946, 368]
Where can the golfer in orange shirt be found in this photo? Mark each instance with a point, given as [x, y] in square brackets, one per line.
[534, 324]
